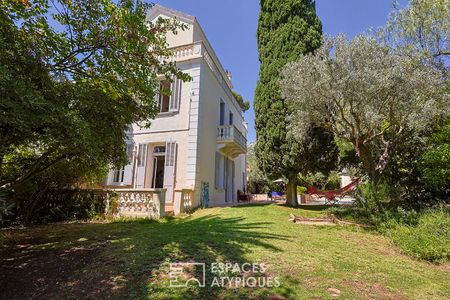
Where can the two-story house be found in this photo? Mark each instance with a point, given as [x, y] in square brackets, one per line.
[198, 140]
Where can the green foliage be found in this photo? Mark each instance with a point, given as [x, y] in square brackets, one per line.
[370, 195]
[333, 181]
[55, 205]
[383, 96]
[73, 76]
[423, 235]
[286, 30]
[301, 190]
[257, 182]
[429, 239]
[347, 155]
[323, 181]
[244, 104]
[418, 172]
[421, 27]
[435, 165]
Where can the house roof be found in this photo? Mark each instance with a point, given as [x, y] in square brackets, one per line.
[158, 9]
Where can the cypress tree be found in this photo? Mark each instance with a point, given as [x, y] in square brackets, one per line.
[286, 30]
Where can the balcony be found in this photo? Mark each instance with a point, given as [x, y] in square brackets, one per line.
[231, 141]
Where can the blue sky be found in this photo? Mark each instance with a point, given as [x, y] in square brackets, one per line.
[231, 29]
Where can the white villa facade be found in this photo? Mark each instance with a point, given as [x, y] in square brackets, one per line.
[197, 143]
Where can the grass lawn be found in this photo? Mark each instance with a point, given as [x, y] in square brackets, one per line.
[131, 259]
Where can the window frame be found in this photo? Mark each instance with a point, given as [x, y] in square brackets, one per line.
[167, 87]
[119, 175]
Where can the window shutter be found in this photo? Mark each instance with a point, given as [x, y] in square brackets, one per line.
[142, 154]
[170, 153]
[217, 171]
[169, 170]
[129, 150]
[175, 96]
[157, 94]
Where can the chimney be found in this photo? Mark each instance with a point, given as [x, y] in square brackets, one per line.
[228, 75]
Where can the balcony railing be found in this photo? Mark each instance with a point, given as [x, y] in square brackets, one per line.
[229, 133]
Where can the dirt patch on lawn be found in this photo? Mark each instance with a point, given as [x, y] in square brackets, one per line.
[374, 291]
[38, 266]
[328, 220]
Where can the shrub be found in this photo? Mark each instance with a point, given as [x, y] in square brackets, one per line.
[54, 205]
[331, 181]
[428, 240]
[423, 235]
[301, 190]
[370, 198]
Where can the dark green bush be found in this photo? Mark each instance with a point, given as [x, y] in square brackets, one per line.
[55, 205]
[418, 172]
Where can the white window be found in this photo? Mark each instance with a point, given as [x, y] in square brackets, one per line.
[118, 175]
[169, 95]
[159, 150]
[222, 114]
[164, 96]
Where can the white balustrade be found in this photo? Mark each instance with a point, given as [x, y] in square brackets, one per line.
[230, 132]
[140, 202]
[186, 52]
[183, 201]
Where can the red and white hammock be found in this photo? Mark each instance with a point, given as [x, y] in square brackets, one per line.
[332, 195]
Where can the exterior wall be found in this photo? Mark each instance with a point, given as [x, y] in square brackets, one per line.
[180, 127]
[183, 37]
[195, 126]
[212, 93]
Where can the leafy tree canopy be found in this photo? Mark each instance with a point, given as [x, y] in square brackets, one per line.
[73, 76]
[374, 95]
[422, 27]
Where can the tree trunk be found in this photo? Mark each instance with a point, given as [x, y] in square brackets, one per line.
[291, 193]
[367, 160]
[373, 169]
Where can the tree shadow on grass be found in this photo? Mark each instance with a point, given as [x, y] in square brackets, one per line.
[125, 258]
[255, 204]
[318, 207]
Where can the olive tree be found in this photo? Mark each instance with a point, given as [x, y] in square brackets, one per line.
[422, 27]
[365, 92]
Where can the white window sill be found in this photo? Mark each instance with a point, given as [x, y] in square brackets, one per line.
[166, 114]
